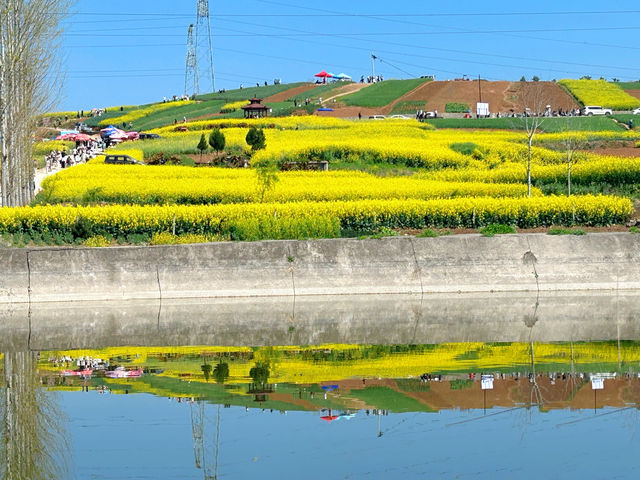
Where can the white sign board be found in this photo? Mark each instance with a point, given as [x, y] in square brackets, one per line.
[486, 382]
[597, 383]
[482, 109]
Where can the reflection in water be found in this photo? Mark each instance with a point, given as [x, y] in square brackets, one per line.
[341, 385]
[33, 437]
[398, 378]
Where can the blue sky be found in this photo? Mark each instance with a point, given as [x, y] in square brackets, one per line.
[124, 52]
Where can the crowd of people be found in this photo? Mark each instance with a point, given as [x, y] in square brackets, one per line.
[176, 98]
[84, 151]
[371, 79]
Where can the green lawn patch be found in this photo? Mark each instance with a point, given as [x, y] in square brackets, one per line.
[549, 125]
[497, 228]
[382, 93]
[388, 399]
[565, 231]
[408, 107]
[455, 107]
[628, 85]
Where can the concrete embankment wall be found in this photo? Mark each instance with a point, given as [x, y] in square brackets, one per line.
[401, 265]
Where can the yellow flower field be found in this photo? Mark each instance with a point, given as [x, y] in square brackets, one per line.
[175, 184]
[255, 221]
[602, 93]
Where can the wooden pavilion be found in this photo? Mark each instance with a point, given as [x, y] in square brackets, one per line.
[255, 109]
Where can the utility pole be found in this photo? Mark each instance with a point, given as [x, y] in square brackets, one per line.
[479, 90]
[203, 45]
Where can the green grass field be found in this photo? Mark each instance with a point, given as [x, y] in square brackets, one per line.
[383, 93]
[549, 125]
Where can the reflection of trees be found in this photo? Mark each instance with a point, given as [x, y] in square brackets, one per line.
[33, 444]
[221, 372]
[259, 373]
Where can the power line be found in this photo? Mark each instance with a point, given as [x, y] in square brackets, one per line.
[448, 50]
[375, 34]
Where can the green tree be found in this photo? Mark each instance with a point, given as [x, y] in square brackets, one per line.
[202, 145]
[217, 140]
[535, 78]
[266, 176]
[259, 373]
[221, 372]
[523, 78]
[256, 139]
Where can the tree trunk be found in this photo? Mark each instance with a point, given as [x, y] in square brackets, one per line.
[529, 165]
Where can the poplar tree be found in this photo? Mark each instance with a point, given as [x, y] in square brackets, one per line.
[30, 36]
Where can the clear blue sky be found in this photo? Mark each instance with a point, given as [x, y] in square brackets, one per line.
[124, 52]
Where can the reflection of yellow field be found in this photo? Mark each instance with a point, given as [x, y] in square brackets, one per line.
[289, 366]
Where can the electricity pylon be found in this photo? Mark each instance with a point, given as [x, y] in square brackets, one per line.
[203, 46]
[191, 70]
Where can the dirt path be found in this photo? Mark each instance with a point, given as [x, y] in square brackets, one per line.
[292, 92]
[347, 89]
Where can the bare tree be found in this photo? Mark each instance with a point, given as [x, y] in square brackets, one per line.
[534, 105]
[30, 35]
[572, 142]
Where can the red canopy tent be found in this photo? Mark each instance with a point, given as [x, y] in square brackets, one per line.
[324, 75]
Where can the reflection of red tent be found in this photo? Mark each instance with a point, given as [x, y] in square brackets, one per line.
[323, 75]
[74, 137]
[67, 136]
[329, 418]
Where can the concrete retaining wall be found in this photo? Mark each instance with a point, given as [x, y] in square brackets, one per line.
[402, 265]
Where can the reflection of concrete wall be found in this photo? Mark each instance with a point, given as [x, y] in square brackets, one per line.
[366, 319]
[461, 263]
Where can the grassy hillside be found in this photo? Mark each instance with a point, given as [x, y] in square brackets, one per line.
[246, 93]
[383, 93]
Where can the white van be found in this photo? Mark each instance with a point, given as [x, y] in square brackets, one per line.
[596, 110]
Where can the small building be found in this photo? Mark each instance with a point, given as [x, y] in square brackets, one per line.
[255, 109]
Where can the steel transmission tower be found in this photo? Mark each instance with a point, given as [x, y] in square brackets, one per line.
[204, 49]
[191, 70]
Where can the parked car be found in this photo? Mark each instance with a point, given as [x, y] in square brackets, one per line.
[148, 136]
[636, 111]
[377, 117]
[399, 117]
[121, 160]
[591, 110]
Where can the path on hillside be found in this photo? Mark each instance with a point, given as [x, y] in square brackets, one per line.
[290, 93]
